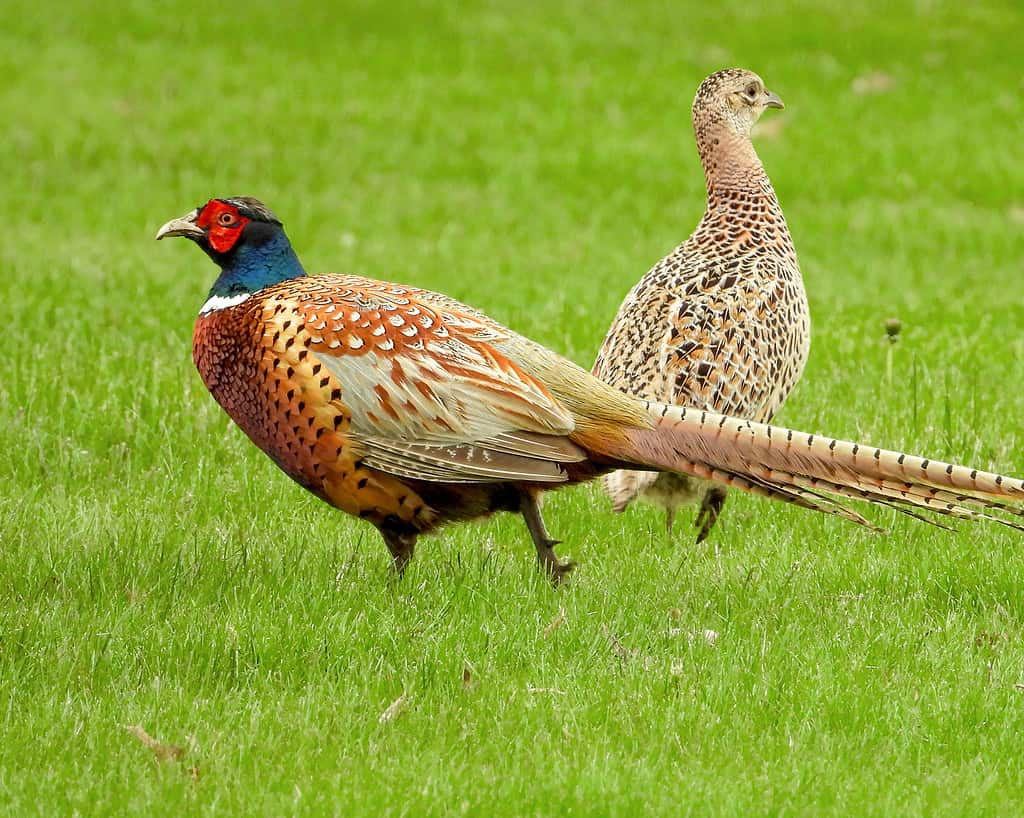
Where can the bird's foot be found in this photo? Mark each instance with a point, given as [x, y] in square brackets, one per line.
[710, 509]
[401, 544]
[556, 569]
[398, 563]
[704, 523]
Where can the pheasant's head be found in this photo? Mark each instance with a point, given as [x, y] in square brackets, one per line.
[223, 226]
[244, 238]
[735, 98]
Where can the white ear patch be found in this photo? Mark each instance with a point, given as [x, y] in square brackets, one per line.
[220, 302]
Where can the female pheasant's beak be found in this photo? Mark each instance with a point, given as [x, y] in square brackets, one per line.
[183, 226]
[772, 100]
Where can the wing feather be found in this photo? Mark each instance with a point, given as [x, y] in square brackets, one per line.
[429, 392]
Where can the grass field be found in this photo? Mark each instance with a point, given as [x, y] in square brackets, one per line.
[157, 570]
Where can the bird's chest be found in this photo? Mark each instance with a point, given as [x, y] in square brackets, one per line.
[740, 330]
[741, 295]
[257, 364]
[252, 384]
[227, 352]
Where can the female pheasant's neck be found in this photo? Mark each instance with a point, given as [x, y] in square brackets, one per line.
[731, 165]
[250, 269]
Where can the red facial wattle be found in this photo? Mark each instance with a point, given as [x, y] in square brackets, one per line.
[223, 224]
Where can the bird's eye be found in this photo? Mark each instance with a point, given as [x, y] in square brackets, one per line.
[751, 91]
[226, 219]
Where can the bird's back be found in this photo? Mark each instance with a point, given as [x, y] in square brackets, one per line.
[375, 396]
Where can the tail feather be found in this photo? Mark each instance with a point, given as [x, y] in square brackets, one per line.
[774, 461]
[793, 494]
[860, 494]
[907, 494]
[900, 499]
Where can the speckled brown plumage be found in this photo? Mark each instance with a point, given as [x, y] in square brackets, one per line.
[409, 410]
[288, 366]
[722, 322]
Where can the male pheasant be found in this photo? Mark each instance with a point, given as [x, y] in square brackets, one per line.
[410, 410]
[721, 322]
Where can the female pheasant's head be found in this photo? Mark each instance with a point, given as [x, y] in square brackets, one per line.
[246, 241]
[735, 98]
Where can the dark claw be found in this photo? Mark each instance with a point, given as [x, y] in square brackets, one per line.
[558, 571]
[710, 509]
[704, 523]
[545, 544]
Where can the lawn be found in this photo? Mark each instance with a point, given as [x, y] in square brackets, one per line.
[157, 571]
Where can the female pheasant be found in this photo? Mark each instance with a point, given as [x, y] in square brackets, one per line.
[722, 321]
[410, 410]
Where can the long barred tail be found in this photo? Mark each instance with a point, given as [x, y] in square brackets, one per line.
[811, 471]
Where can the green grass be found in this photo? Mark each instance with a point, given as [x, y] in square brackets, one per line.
[156, 569]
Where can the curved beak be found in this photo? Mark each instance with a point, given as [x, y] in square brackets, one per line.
[184, 226]
[772, 100]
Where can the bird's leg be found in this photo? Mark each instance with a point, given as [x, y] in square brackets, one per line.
[710, 508]
[401, 544]
[670, 517]
[545, 545]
